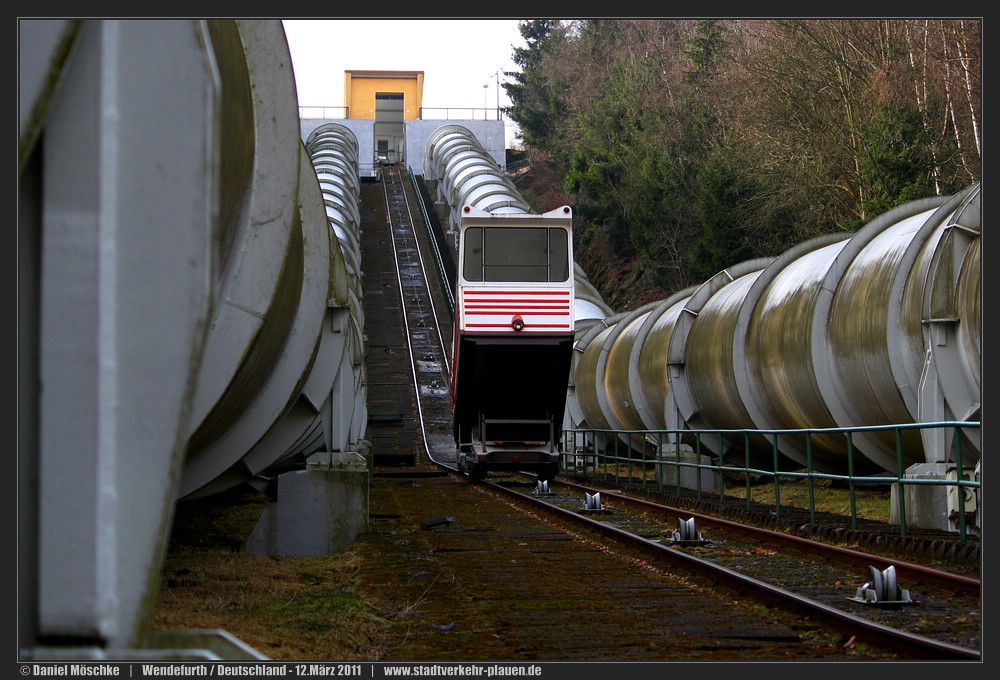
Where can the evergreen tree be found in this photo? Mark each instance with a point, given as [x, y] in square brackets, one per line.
[536, 105]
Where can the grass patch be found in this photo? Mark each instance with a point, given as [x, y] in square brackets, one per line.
[286, 608]
[869, 503]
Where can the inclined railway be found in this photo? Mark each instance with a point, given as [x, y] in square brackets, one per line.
[197, 314]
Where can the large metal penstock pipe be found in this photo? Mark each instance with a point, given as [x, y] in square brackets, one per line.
[879, 327]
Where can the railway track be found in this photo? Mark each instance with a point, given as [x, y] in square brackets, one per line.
[425, 319]
[939, 621]
[885, 601]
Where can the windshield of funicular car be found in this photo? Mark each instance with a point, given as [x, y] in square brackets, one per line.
[538, 254]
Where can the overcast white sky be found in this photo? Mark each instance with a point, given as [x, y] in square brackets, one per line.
[457, 56]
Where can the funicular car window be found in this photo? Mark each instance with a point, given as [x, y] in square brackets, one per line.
[515, 254]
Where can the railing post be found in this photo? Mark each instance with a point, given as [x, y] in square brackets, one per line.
[959, 478]
[777, 481]
[677, 467]
[618, 460]
[746, 470]
[659, 462]
[698, 468]
[900, 481]
[851, 485]
[809, 479]
[630, 458]
[645, 460]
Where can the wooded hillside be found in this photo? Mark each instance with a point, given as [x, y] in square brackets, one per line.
[688, 146]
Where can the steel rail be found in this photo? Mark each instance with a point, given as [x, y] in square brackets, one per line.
[872, 632]
[400, 216]
[924, 574]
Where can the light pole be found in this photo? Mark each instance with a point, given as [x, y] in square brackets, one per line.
[485, 85]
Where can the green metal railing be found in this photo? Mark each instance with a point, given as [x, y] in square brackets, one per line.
[445, 283]
[628, 456]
